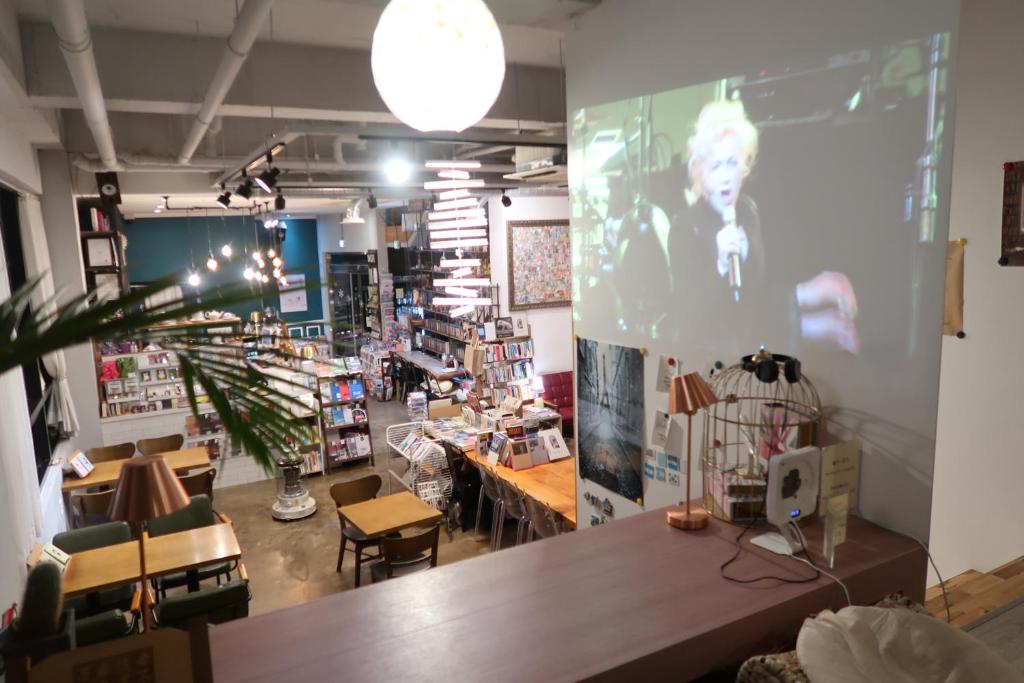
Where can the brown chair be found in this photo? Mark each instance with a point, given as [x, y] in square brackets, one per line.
[349, 493]
[200, 482]
[161, 444]
[406, 555]
[107, 453]
[89, 509]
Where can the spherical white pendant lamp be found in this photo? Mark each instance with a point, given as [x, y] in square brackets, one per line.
[438, 64]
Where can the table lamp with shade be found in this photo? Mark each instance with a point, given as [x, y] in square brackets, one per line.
[688, 394]
[147, 488]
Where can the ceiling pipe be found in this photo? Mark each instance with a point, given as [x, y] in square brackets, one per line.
[247, 26]
[75, 41]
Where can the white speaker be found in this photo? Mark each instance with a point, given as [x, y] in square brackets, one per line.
[793, 482]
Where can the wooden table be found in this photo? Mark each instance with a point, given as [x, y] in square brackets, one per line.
[117, 565]
[106, 473]
[634, 600]
[430, 365]
[553, 484]
[386, 514]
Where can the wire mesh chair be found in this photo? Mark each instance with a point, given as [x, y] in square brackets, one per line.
[512, 507]
[489, 490]
[543, 520]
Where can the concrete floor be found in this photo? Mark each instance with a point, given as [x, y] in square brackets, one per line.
[294, 562]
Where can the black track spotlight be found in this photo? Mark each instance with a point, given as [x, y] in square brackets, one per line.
[371, 201]
[279, 202]
[245, 189]
[268, 179]
[506, 201]
[224, 199]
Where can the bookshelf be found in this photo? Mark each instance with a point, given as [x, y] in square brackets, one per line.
[507, 369]
[344, 419]
[100, 229]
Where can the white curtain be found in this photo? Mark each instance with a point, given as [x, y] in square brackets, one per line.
[60, 409]
[20, 515]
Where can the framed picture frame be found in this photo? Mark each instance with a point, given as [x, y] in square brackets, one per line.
[145, 376]
[539, 264]
[314, 331]
[99, 252]
[296, 332]
[503, 328]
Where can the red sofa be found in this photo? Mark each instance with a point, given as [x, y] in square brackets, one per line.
[558, 392]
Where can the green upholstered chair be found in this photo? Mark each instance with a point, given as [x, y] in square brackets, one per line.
[198, 514]
[89, 538]
[217, 604]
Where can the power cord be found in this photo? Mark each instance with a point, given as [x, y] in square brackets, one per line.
[806, 560]
[942, 584]
[931, 560]
[739, 549]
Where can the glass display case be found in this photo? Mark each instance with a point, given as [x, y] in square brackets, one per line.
[348, 291]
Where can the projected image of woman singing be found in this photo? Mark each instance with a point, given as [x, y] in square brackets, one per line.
[718, 245]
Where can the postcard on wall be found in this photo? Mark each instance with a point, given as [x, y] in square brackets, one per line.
[659, 434]
[521, 328]
[668, 367]
[610, 414]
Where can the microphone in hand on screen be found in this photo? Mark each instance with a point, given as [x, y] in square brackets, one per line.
[732, 245]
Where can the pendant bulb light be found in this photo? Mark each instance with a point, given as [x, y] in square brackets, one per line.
[453, 77]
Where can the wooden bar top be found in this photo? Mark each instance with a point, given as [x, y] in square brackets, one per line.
[106, 473]
[553, 484]
[632, 600]
[117, 565]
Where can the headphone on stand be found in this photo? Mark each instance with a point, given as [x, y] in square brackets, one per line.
[765, 366]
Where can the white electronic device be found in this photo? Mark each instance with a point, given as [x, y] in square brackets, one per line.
[793, 482]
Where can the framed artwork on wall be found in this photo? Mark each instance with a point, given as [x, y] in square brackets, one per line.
[539, 264]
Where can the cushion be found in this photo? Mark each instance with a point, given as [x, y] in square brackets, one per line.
[103, 626]
[869, 644]
[198, 513]
[558, 388]
[220, 603]
[88, 538]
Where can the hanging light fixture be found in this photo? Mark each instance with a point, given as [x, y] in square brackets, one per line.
[224, 199]
[244, 190]
[226, 251]
[279, 202]
[194, 279]
[438, 65]
[248, 273]
[457, 223]
[211, 264]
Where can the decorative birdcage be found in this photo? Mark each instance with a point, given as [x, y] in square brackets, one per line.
[766, 406]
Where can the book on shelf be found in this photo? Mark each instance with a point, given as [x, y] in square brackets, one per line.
[357, 391]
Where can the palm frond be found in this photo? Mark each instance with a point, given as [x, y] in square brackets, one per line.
[257, 417]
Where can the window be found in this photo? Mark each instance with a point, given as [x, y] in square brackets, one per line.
[36, 380]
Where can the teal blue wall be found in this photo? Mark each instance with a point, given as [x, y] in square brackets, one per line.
[158, 247]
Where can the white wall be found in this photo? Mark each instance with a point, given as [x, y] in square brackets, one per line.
[979, 466]
[551, 327]
[61, 224]
[624, 49]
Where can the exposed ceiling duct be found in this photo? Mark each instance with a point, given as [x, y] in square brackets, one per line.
[75, 40]
[247, 27]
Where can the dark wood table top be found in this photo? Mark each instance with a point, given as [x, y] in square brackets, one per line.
[631, 600]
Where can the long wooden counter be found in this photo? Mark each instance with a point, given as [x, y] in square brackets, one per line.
[632, 600]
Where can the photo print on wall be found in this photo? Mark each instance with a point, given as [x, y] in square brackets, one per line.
[610, 409]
